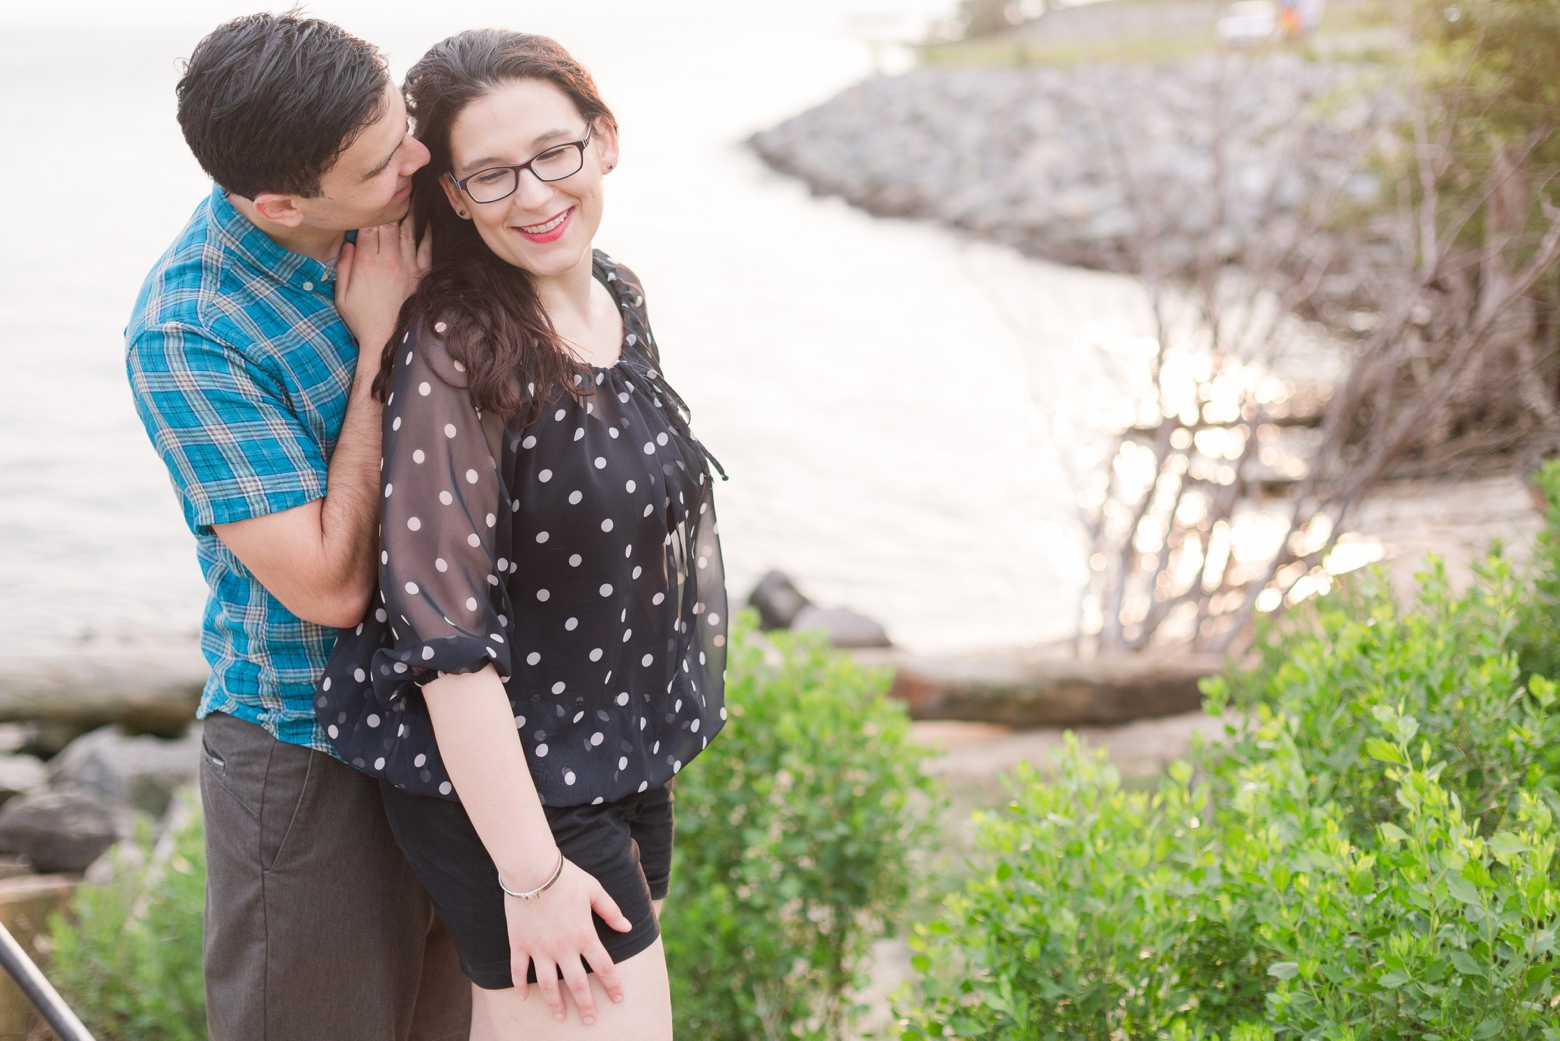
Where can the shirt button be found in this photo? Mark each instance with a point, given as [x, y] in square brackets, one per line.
[308, 287]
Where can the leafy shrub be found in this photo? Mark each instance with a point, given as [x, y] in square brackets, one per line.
[128, 960]
[797, 830]
[1371, 856]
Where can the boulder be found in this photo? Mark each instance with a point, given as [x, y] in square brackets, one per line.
[150, 685]
[777, 600]
[141, 771]
[846, 628]
[20, 774]
[59, 831]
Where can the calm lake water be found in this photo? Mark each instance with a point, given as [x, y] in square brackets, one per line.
[864, 381]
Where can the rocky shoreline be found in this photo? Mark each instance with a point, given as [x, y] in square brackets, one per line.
[1069, 164]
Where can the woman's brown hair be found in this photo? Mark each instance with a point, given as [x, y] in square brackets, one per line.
[497, 326]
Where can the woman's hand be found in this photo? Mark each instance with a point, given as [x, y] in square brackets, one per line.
[373, 279]
[555, 931]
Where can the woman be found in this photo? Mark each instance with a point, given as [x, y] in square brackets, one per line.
[547, 647]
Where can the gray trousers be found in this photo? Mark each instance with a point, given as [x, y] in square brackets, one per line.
[315, 925]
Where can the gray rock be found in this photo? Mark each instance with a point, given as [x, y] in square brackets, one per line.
[61, 831]
[777, 600]
[141, 771]
[20, 774]
[846, 628]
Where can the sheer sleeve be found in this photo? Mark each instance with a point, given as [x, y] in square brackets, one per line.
[445, 528]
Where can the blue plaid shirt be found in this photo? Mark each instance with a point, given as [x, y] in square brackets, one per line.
[241, 369]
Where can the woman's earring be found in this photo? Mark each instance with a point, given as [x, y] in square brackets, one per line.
[462, 213]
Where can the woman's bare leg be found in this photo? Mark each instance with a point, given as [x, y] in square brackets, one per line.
[644, 1015]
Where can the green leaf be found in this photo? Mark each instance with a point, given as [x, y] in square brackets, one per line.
[1462, 889]
[1394, 979]
[1385, 751]
[1393, 832]
[1489, 1028]
[1507, 844]
[1284, 970]
[1466, 965]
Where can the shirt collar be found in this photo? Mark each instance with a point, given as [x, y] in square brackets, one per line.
[261, 251]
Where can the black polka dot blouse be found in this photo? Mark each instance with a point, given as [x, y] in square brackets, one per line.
[579, 556]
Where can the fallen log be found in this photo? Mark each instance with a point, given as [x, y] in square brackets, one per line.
[1046, 691]
[149, 687]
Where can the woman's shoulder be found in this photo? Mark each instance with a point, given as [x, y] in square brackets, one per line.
[432, 345]
[620, 279]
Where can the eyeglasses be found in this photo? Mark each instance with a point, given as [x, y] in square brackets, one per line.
[500, 182]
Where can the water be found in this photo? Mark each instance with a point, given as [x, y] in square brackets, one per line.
[862, 380]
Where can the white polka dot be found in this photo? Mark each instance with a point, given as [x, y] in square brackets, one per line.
[379, 764]
[571, 624]
[529, 442]
[574, 560]
[446, 498]
[400, 666]
[424, 389]
[421, 759]
[326, 684]
[471, 477]
[622, 699]
[613, 431]
[503, 565]
[558, 415]
[532, 658]
[471, 603]
[568, 777]
[495, 638]
[720, 641]
[723, 712]
[542, 595]
[444, 787]
[628, 550]
[630, 486]
[677, 766]
[643, 785]
[379, 614]
[638, 571]
[658, 598]
[332, 731]
[439, 327]
[606, 525]
[388, 489]
[491, 520]
[660, 438]
[427, 653]
[606, 589]
[597, 738]
[541, 750]
[558, 688]
[449, 430]
[413, 523]
[714, 619]
[411, 587]
[626, 634]
[647, 659]
[458, 366]
[641, 722]
[541, 536]
[575, 497]
[601, 462]
[622, 396]
[395, 424]
[595, 654]
[519, 722]
[418, 456]
[359, 675]
[581, 431]
[649, 448]
[544, 476]
[694, 726]
[623, 762]
[473, 541]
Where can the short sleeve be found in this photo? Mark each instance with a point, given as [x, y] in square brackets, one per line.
[223, 426]
[445, 526]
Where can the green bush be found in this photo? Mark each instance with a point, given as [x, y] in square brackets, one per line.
[128, 959]
[1370, 856]
[797, 833]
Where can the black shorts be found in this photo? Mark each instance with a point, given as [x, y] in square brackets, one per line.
[626, 845]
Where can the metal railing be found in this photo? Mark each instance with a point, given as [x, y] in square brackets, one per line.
[33, 983]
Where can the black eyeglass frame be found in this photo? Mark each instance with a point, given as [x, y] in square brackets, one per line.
[523, 167]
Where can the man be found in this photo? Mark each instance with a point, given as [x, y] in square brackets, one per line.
[257, 396]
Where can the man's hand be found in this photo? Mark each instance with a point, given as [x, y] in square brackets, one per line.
[373, 279]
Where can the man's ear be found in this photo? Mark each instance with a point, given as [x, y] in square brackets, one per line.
[278, 209]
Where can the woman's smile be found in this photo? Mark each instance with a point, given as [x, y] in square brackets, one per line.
[550, 229]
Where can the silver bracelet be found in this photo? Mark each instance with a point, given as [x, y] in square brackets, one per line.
[539, 890]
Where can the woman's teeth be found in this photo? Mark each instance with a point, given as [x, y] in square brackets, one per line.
[542, 229]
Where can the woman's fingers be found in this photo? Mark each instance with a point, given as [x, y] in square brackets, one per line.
[519, 968]
[601, 962]
[547, 980]
[344, 266]
[579, 984]
[607, 908]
